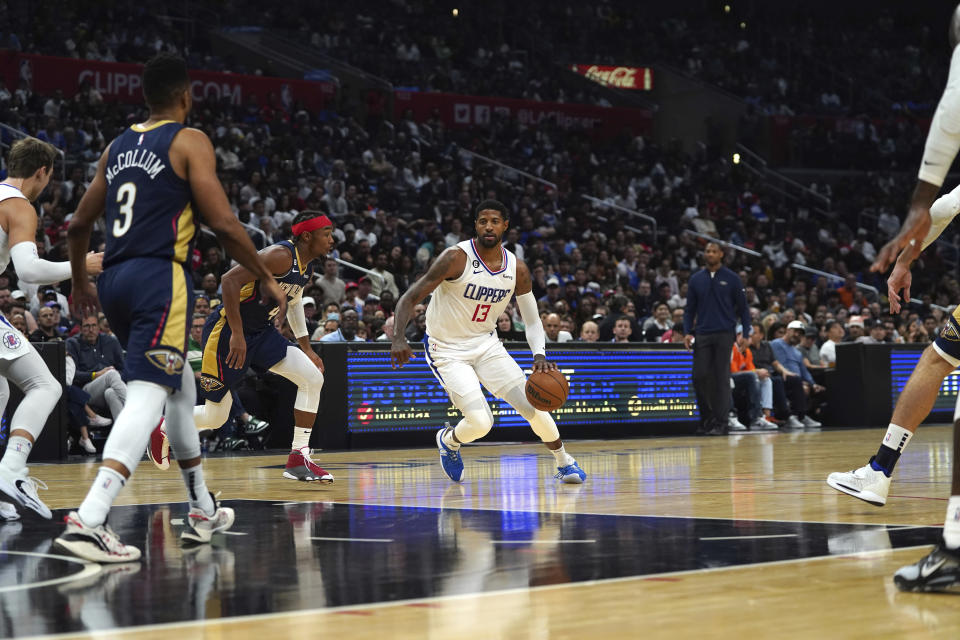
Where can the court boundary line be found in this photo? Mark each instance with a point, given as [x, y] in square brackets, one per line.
[458, 596]
[591, 513]
[87, 570]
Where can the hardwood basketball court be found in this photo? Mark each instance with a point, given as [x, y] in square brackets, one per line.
[669, 538]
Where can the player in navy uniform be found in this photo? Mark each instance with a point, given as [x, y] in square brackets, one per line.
[149, 180]
[240, 334]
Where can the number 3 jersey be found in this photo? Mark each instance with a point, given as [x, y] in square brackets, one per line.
[467, 308]
[148, 210]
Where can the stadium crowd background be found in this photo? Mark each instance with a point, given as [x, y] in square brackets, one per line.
[401, 192]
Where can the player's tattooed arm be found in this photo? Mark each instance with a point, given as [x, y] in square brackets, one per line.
[449, 265]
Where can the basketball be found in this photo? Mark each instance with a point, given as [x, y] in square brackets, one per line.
[547, 390]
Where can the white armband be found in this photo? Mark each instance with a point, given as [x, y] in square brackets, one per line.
[296, 317]
[942, 213]
[30, 268]
[536, 336]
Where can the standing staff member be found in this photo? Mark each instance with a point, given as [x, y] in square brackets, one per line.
[716, 301]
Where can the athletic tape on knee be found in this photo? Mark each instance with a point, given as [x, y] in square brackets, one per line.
[477, 417]
[180, 425]
[132, 428]
[541, 422]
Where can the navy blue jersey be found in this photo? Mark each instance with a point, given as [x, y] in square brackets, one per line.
[254, 313]
[148, 208]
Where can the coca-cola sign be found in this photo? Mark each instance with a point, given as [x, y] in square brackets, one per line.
[617, 77]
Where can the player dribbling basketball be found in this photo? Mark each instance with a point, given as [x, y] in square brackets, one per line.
[472, 283]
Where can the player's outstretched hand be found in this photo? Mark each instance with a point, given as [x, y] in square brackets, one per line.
[238, 351]
[94, 263]
[541, 364]
[84, 299]
[900, 280]
[272, 290]
[400, 353]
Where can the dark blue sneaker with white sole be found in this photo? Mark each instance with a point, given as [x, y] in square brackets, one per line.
[571, 474]
[450, 459]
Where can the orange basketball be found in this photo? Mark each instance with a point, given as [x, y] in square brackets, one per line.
[547, 390]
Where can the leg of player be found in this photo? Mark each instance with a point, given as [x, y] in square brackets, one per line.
[545, 427]
[940, 569]
[206, 517]
[7, 510]
[476, 423]
[297, 368]
[41, 392]
[209, 415]
[87, 534]
[871, 483]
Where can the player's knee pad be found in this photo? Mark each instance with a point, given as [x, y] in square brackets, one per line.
[517, 398]
[212, 415]
[40, 395]
[477, 417]
[308, 394]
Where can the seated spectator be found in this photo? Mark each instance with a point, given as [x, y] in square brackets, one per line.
[797, 380]
[615, 308]
[417, 329]
[347, 331]
[589, 332]
[657, 324]
[19, 322]
[855, 328]
[99, 365]
[104, 324]
[876, 332]
[202, 305]
[330, 325]
[47, 329]
[505, 329]
[310, 313]
[675, 335]
[828, 352]
[332, 286]
[810, 351]
[756, 383]
[622, 330]
[551, 326]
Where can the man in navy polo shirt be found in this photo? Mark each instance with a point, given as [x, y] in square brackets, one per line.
[716, 303]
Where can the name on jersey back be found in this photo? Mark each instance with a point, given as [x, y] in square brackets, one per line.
[138, 158]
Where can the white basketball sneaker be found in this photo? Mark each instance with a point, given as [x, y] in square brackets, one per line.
[865, 483]
[202, 527]
[96, 544]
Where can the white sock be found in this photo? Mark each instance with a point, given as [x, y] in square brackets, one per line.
[897, 438]
[447, 439]
[563, 458]
[301, 440]
[108, 483]
[951, 527]
[15, 457]
[197, 490]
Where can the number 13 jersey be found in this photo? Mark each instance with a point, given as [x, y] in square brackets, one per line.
[467, 308]
[148, 211]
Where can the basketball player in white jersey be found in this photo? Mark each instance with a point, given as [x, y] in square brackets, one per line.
[472, 283]
[939, 570]
[30, 165]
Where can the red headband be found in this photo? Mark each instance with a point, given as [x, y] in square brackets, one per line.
[312, 224]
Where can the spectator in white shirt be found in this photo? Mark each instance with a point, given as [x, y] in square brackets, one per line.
[828, 351]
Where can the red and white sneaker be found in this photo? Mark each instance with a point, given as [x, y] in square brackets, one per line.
[158, 450]
[301, 467]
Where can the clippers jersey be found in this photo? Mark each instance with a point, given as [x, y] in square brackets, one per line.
[6, 193]
[148, 210]
[254, 313]
[467, 308]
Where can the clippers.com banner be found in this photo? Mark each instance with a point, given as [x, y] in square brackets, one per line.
[462, 111]
[638, 78]
[121, 81]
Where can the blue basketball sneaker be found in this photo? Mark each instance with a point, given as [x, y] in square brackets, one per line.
[571, 474]
[450, 459]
